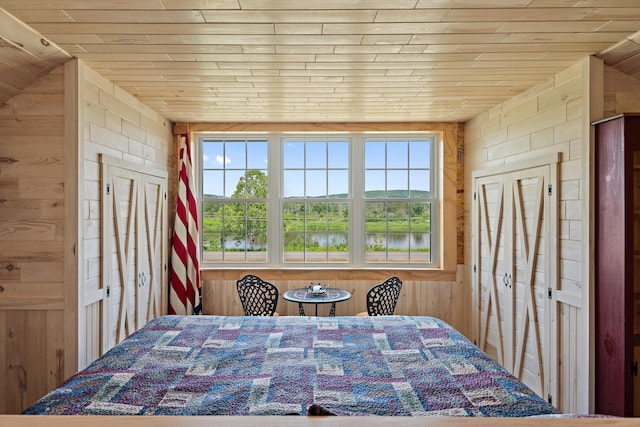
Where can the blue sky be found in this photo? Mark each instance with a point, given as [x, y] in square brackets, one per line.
[326, 162]
[327, 166]
[235, 157]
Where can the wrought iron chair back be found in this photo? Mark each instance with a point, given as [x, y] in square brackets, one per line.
[258, 298]
[382, 298]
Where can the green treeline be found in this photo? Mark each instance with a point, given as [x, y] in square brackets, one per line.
[246, 222]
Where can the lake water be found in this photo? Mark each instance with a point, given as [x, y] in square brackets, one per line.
[402, 241]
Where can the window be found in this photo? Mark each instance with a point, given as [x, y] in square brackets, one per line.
[316, 199]
[345, 200]
[234, 200]
[397, 183]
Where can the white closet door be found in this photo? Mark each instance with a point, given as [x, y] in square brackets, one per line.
[529, 225]
[153, 247]
[514, 247]
[120, 210]
[134, 262]
[488, 269]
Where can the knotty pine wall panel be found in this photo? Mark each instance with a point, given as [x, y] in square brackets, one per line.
[28, 335]
[420, 296]
[32, 229]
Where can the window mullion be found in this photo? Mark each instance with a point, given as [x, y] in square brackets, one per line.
[357, 212]
[274, 204]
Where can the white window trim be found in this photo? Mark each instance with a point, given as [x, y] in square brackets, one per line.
[356, 233]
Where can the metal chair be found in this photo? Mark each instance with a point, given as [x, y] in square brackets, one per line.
[258, 298]
[383, 297]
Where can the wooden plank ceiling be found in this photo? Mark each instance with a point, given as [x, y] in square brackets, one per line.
[329, 60]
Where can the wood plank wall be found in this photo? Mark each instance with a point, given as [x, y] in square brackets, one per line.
[114, 123]
[548, 118]
[621, 93]
[47, 249]
[422, 293]
[32, 249]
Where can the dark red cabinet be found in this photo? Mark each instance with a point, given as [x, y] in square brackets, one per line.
[617, 262]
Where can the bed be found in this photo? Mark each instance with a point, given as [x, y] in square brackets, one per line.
[228, 365]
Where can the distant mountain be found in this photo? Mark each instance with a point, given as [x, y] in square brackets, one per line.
[376, 194]
[400, 194]
[394, 194]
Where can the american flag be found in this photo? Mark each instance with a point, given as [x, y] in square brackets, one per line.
[184, 292]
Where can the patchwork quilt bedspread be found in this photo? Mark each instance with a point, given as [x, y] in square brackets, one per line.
[217, 365]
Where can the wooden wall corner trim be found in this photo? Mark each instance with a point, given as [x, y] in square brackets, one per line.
[73, 273]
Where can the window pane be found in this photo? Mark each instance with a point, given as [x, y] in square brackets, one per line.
[420, 247]
[375, 218]
[257, 155]
[338, 232]
[375, 247]
[212, 183]
[293, 215]
[256, 230]
[257, 256]
[338, 217]
[235, 153]
[420, 217]
[398, 247]
[316, 155]
[397, 154]
[234, 222]
[338, 155]
[398, 216]
[397, 183]
[232, 230]
[212, 155]
[316, 232]
[420, 183]
[316, 183]
[420, 154]
[212, 231]
[387, 232]
[294, 247]
[316, 236]
[256, 242]
[374, 183]
[233, 186]
[254, 184]
[293, 183]
[316, 219]
[338, 183]
[398, 232]
[293, 155]
[374, 155]
[244, 232]
[338, 250]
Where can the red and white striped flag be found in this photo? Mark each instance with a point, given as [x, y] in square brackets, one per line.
[184, 292]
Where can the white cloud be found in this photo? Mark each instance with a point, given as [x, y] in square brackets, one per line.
[222, 160]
